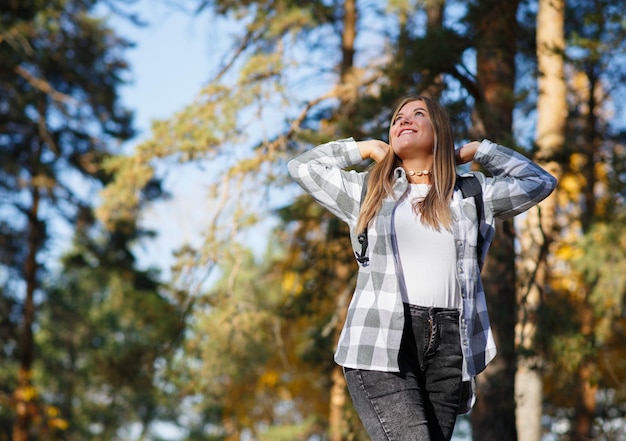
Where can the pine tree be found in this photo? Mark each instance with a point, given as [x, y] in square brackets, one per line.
[496, 28]
[60, 69]
[538, 230]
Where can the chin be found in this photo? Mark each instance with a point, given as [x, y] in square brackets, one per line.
[404, 149]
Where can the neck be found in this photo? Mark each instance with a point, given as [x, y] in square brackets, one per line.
[416, 161]
[423, 179]
[418, 172]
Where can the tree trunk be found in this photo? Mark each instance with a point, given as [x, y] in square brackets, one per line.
[536, 232]
[337, 426]
[24, 406]
[434, 14]
[586, 405]
[496, 25]
[496, 47]
[348, 37]
[493, 416]
[337, 421]
[582, 427]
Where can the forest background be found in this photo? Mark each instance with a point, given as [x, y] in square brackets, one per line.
[233, 339]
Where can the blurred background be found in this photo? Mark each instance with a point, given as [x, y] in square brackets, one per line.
[162, 278]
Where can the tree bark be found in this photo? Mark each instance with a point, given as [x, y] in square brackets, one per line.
[587, 388]
[537, 231]
[338, 429]
[338, 397]
[585, 411]
[434, 14]
[496, 47]
[493, 418]
[348, 37]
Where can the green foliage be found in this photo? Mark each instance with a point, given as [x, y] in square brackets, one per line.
[602, 263]
[92, 336]
[261, 337]
[247, 353]
[118, 332]
[288, 432]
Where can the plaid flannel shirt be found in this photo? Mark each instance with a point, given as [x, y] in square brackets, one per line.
[370, 338]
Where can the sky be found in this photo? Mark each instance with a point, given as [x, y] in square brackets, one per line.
[173, 58]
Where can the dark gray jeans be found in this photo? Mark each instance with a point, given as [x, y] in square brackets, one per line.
[420, 402]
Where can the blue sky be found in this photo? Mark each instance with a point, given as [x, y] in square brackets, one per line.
[171, 61]
[174, 57]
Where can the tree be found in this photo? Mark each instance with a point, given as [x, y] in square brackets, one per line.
[338, 390]
[60, 68]
[495, 25]
[103, 369]
[595, 54]
[538, 229]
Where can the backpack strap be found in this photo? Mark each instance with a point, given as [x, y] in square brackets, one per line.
[362, 237]
[470, 187]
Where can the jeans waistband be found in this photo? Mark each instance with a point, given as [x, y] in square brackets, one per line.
[430, 310]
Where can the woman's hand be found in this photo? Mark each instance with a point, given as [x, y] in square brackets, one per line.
[373, 149]
[466, 152]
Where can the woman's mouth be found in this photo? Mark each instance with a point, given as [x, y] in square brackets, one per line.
[406, 132]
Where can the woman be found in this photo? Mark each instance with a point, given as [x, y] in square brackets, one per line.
[417, 328]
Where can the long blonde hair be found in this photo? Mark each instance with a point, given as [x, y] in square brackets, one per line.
[434, 209]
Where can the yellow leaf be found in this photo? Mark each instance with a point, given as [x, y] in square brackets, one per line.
[58, 423]
[269, 379]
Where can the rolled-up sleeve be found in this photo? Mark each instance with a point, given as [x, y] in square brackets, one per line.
[516, 183]
[321, 173]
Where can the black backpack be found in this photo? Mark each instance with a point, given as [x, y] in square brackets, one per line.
[469, 186]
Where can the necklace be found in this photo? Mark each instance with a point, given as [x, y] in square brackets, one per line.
[419, 172]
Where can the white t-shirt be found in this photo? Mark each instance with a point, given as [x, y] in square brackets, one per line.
[427, 256]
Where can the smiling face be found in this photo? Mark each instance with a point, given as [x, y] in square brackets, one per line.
[411, 133]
